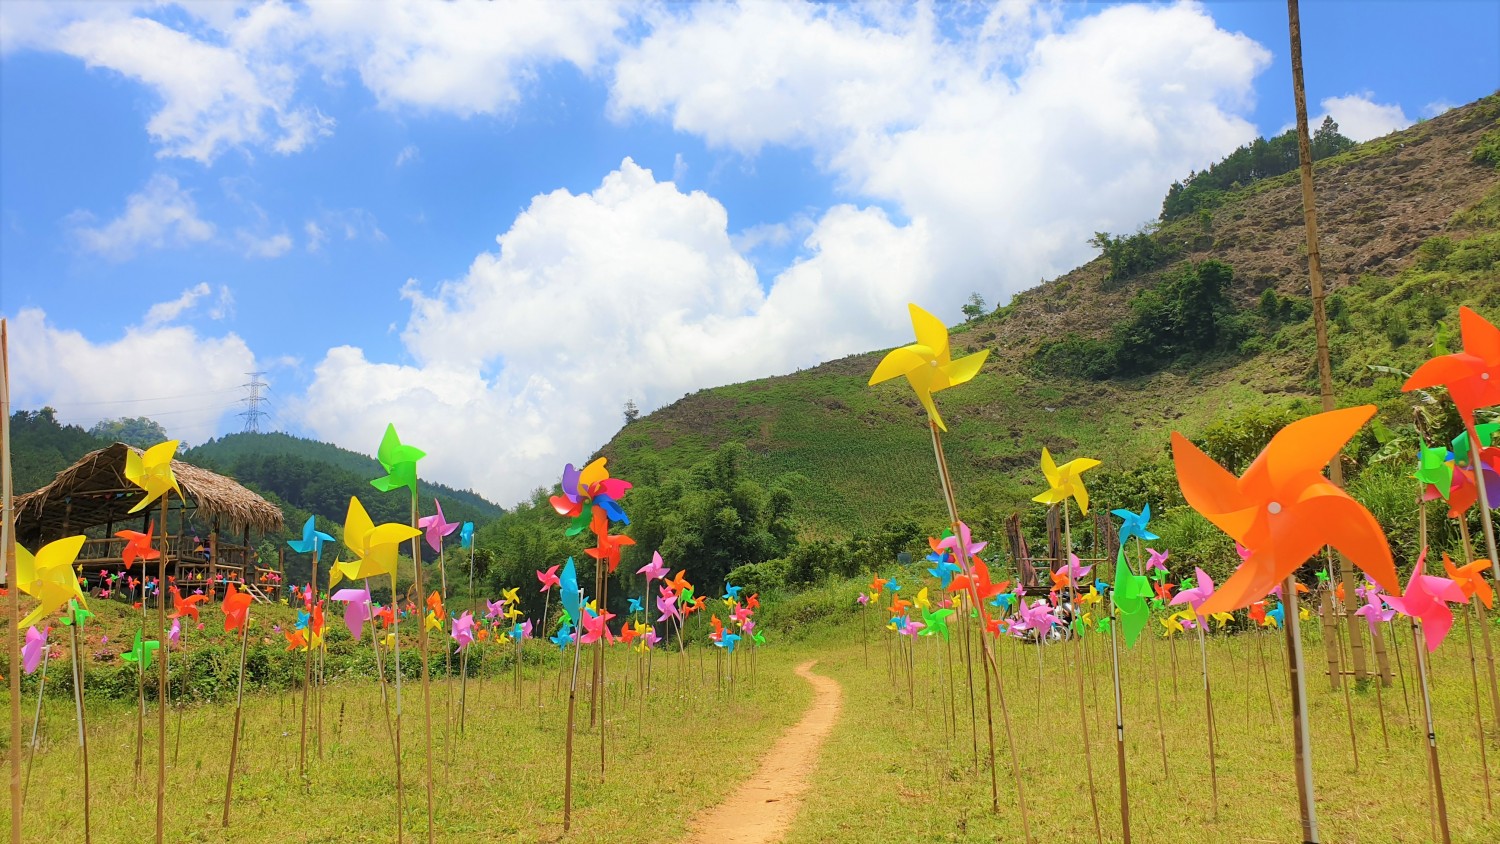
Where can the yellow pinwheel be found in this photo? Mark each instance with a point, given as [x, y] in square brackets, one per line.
[927, 364]
[152, 472]
[511, 596]
[49, 577]
[375, 547]
[922, 601]
[1223, 618]
[1065, 481]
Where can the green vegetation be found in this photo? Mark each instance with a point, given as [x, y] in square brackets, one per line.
[131, 430]
[1130, 255]
[1257, 160]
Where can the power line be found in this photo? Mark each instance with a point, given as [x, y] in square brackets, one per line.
[253, 413]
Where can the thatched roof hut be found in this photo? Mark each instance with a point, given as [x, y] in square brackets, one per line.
[94, 491]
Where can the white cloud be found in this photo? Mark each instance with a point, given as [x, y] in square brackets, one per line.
[160, 215]
[634, 290]
[227, 74]
[1360, 118]
[1010, 146]
[408, 154]
[316, 237]
[270, 246]
[87, 381]
[164, 312]
[1436, 107]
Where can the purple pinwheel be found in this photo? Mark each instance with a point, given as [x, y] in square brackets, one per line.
[1076, 571]
[494, 609]
[652, 640]
[174, 635]
[667, 603]
[1038, 616]
[359, 609]
[1157, 561]
[654, 570]
[436, 527]
[463, 630]
[1198, 594]
[1374, 609]
[36, 645]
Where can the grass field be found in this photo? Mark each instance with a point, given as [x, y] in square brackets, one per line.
[891, 771]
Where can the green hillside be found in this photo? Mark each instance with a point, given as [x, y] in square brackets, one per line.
[1107, 359]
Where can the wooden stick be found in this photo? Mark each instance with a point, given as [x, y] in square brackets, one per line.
[1301, 723]
[396, 648]
[1083, 721]
[1484, 763]
[568, 751]
[36, 721]
[239, 705]
[83, 728]
[1114, 647]
[416, 557]
[1484, 627]
[161, 675]
[13, 639]
[1419, 644]
[1208, 709]
[1161, 724]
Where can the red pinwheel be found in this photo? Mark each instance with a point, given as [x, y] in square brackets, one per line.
[137, 545]
[1472, 376]
[188, 606]
[609, 549]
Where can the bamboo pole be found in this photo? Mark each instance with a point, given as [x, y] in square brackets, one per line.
[416, 558]
[1208, 709]
[1083, 721]
[572, 708]
[13, 640]
[36, 721]
[1484, 627]
[1440, 804]
[161, 674]
[83, 729]
[1114, 647]
[1479, 737]
[239, 706]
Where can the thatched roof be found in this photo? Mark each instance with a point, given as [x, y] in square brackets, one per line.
[94, 491]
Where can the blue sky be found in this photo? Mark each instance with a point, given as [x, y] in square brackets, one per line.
[684, 195]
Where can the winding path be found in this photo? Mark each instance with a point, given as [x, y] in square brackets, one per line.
[761, 809]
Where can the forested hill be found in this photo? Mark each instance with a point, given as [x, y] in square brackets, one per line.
[301, 476]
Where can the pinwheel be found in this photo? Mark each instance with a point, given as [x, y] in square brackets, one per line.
[1076, 571]
[922, 601]
[654, 570]
[1196, 595]
[1134, 524]
[1427, 598]
[892, 586]
[494, 609]
[436, 527]
[596, 627]
[312, 539]
[548, 578]
[141, 652]
[1470, 579]
[184, 607]
[152, 472]
[1466, 468]
[1173, 624]
[357, 610]
[1156, 561]
[862, 599]
[876, 585]
[36, 645]
[952, 543]
[563, 637]
[944, 572]
[1472, 376]
[1065, 481]
[1283, 509]
[137, 545]
[678, 583]
[567, 588]
[1039, 615]
[936, 621]
[927, 363]
[466, 535]
[979, 585]
[400, 464]
[728, 641]
[1129, 597]
[591, 498]
[375, 547]
[1223, 618]
[49, 577]
[1276, 616]
[1434, 472]
[236, 608]
[608, 550]
[1374, 610]
[635, 606]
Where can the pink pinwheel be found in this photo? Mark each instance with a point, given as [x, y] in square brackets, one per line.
[436, 527]
[1076, 571]
[652, 640]
[654, 570]
[1198, 594]
[1427, 598]
[548, 578]
[1245, 553]
[950, 542]
[1374, 611]
[742, 614]
[863, 599]
[526, 629]
[174, 635]
[1038, 616]
[36, 645]
[667, 603]
[463, 630]
[596, 627]
[359, 609]
[1157, 561]
[912, 628]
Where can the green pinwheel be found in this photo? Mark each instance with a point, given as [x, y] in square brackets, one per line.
[399, 462]
[1129, 597]
[141, 652]
[936, 622]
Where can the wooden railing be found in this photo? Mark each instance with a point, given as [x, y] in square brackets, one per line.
[194, 564]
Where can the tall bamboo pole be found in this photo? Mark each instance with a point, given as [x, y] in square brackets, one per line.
[416, 557]
[161, 674]
[8, 549]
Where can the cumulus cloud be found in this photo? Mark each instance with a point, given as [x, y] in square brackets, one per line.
[160, 215]
[1010, 157]
[227, 75]
[1360, 118]
[634, 290]
[87, 380]
[408, 154]
[267, 246]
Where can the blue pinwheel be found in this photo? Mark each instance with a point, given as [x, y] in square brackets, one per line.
[312, 539]
[1134, 524]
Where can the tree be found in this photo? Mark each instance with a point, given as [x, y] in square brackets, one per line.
[632, 412]
[138, 431]
[975, 308]
[1327, 140]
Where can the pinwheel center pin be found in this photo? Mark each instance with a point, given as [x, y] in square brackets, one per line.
[1274, 507]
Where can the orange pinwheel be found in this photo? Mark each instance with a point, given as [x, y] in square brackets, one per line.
[609, 549]
[236, 609]
[1471, 376]
[435, 604]
[878, 584]
[899, 606]
[678, 582]
[981, 587]
[295, 641]
[183, 607]
[1283, 509]
[137, 545]
[1470, 578]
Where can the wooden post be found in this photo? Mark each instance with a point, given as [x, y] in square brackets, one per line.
[213, 560]
[8, 550]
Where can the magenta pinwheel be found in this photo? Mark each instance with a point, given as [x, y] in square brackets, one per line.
[1427, 598]
[1196, 595]
[436, 527]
